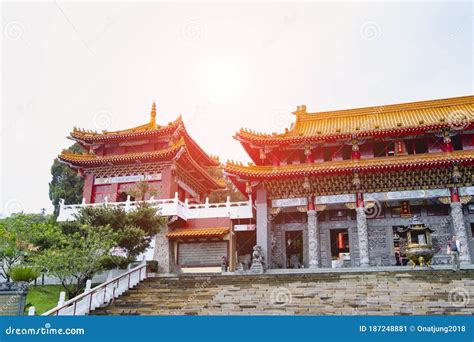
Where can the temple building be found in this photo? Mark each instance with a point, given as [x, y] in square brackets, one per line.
[337, 188]
[179, 177]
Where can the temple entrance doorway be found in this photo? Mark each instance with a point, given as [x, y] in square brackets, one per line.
[245, 241]
[340, 250]
[399, 242]
[294, 249]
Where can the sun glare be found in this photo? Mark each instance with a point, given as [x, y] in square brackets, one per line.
[222, 78]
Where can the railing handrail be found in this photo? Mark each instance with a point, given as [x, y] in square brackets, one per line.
[168, 207]
[158, 200]
[93, 290]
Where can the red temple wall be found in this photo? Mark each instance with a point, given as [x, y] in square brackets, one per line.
[88, 187]
[166, 188]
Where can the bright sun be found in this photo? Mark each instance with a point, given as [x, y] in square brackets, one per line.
[222, 78]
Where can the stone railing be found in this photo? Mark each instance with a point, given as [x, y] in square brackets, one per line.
[169, 207]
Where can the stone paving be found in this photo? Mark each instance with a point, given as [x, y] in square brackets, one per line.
[404, 292]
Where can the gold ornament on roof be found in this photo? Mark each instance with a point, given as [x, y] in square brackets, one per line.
[153, 114]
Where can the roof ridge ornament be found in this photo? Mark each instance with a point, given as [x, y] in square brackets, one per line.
[300, 110]
[153, 114]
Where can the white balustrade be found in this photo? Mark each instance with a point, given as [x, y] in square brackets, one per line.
[98, 296]
[169, 207]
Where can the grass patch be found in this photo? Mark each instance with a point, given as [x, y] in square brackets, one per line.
[43, 298]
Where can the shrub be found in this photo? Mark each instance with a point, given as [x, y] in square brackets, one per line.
[152, 266]
[24, 273]
[113, 261]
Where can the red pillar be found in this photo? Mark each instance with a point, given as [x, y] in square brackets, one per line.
[454, 194]
[310, 200]
[359, 200]
[88, 187]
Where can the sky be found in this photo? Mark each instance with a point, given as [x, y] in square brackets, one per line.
[222, 66]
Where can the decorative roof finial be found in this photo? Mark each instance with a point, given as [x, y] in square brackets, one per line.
[153, 113]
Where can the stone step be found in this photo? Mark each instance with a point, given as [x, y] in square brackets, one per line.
[375, 293]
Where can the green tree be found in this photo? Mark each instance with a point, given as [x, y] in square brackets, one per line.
[77, 256]
[135, 228]
[20, 239]
[66, 184]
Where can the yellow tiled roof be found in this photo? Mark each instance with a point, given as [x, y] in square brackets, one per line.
[198, 232]
[146, 129]
[440, 159]
[92, 159]
[434, 114]
[179, 148]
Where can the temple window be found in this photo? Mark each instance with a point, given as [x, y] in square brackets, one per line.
[384, 148]
[346, 152]
[435, 144]
[437, 210]
[420, 146]
[467, 141]
[366, 150]
[472, 230]
[410, 146]
[327, 151]
[456, 141]
[100, 192]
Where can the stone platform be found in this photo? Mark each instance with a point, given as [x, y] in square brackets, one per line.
[396, 291]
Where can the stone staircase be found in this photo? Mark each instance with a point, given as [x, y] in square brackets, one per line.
[419, 292]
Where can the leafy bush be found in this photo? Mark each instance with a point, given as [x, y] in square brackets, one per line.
[24, 273]
[152, 266]
[113, 261]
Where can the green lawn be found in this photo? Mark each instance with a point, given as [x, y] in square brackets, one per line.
[43, 298]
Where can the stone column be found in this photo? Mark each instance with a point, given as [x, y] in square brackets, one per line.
[363, 237]
[313, 240]
[263, 235]
[163, 252]
[305, 248]
[460, 231]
